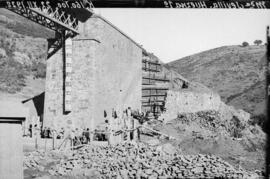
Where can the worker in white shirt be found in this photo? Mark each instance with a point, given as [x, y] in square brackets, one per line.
[129, 124]
[124, 126]
[111, 124]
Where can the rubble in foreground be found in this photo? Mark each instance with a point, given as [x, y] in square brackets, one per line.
[137, 160]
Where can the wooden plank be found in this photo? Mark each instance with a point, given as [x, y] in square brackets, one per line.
[154, 75]
[151, 62]
[152, 70]
[156, 79]
[160, 133]
[150, 87]
[153, 99]
[150, 105]
[160, 103]
[145, 96]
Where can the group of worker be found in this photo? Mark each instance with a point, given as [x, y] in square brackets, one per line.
[124, 126]
[119, 126]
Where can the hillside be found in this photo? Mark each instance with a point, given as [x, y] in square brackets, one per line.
[23, 26]
[22, 56]
[235, 72]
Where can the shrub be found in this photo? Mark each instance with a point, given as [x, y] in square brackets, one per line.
[245, 44]
[257, 42]
[12, 76]
[39, 70]
[260, 120]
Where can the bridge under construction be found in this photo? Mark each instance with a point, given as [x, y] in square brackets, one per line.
[93, 67]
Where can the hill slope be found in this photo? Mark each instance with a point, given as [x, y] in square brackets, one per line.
[22, 56]
[23, 26]
[235, 72]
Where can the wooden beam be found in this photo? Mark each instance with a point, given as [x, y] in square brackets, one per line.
[151, 62]
[148, 69]
[156, 79]
[145, 96]
[160, 133]
[154, 87]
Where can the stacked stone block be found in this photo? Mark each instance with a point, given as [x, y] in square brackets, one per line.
[106, 74]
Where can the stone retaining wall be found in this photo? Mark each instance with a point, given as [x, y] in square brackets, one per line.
[185, 101]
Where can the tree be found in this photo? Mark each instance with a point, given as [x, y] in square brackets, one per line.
[244, 44]
[39, 69]
[257, 42]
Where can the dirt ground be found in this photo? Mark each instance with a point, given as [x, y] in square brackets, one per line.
[193, 139]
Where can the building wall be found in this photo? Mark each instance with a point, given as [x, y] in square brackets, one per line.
[11, 150]
[185, 101]
[31, 118]
[106, 74]
[53, 107]
[118, 70]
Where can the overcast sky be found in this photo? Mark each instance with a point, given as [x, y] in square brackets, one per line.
[175, 33]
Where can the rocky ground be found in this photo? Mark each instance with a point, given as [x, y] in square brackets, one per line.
[236, 141]
[129, 160]
[201, 145]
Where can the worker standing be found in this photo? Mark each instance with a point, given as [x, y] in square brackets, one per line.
[120, 126]
[124, 126]
[114, 126]
[72, 138]
[30, 129]
[36, 135]
[108, 129]
[117, 127]
[140, 121]
[87, 136]
[129, 124]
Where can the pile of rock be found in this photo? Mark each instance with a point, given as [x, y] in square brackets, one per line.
[138, 160]
[31, 160]
[213, 121]
[208, 119]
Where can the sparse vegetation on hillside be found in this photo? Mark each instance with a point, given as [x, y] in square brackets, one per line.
[20, 56]
[12, 76]
[39, 70]
[23, 26]
[259, 120]
[236, 73]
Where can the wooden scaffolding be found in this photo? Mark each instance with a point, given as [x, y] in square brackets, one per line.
[154, 87]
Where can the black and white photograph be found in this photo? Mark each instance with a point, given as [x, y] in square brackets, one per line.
[90, 92]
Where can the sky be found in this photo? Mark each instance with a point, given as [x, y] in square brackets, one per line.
[172, 34]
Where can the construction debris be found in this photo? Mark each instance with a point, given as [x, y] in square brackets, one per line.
[212, 121]
[135, 160]
[31, 160]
